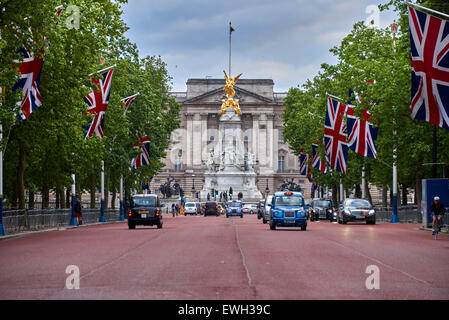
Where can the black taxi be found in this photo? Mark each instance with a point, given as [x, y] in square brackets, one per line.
[145, 210]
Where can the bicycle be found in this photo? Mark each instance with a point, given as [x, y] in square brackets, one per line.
[436, 227]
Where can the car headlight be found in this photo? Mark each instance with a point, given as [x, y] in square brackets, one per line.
[347, 212]
[301, 213]
[335, 213]
[330, 210]
[277, 213]
[371, 212]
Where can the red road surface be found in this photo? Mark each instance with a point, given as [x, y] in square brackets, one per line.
[200, 257]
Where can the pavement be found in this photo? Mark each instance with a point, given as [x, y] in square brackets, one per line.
[211, 258]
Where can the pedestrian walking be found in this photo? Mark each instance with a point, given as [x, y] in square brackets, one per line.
[78, 212]
[173, 209]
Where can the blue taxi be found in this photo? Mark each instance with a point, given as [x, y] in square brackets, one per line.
[288, 210]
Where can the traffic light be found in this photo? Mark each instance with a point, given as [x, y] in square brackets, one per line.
[181, 192]
[230, 191]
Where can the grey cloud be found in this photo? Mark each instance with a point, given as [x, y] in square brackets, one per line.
[284, 39]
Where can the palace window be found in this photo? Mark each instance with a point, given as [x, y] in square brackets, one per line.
[281, 135]
[281, 163]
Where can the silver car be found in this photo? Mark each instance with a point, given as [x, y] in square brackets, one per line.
[266, 213]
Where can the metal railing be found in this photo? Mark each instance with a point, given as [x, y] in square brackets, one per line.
[406, 214]
[15, 221]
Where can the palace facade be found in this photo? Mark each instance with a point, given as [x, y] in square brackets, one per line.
[262, 133]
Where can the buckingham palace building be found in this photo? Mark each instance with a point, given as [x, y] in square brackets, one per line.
[261, 135]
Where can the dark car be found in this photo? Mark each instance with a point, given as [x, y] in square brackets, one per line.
[321, 209]
[211, 209]
[359, 210]
[145, 210]
[260, 209]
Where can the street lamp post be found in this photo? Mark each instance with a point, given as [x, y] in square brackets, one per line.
[394, 217]
[2, 230]
[102, 218]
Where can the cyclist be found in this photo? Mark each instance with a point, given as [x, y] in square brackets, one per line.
[437, 210]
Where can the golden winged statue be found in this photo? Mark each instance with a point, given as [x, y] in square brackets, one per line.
[230, 93]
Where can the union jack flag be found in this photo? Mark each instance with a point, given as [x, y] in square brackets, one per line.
[127, 102]
[30, 71]
[98, 101]
[143, 159]
[316, 159]
[303, 164]
[335, 136]
[361, 133]
[429, 39]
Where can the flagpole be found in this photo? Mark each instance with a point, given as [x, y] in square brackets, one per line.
[103, 70]
[102, 218]
[335, 97]
[363, 182]
[230, 34]
[2, 229]
[122, 217]
[394, 216]
[424, 8]
[137, 94]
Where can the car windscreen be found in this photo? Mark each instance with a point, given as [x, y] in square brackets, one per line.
[357, 203]
[211, 204]
[145, 202]
[288, 201]
[234, 204]
[190, 205]
[322, 203]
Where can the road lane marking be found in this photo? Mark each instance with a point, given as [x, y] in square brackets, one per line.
[377, 261]
[248, 276]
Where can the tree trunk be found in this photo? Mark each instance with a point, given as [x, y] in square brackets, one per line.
[31, 200]
[418, 192]
[368, 193]
[114, 195]
[335, 195]
[404, 195]
[92, 191]
[57, 199]
[14, 196]
[358, 191]
[61, 197]
[21, 179]
[45, 196]
[385, 197]
[67, 198]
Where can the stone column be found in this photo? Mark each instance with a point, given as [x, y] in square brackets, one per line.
[189, 149]
[196, 140]
[204, 137]
[262, 142]
[255, 135]
[270, 143]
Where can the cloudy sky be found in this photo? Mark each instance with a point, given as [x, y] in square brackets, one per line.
[283, 40]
